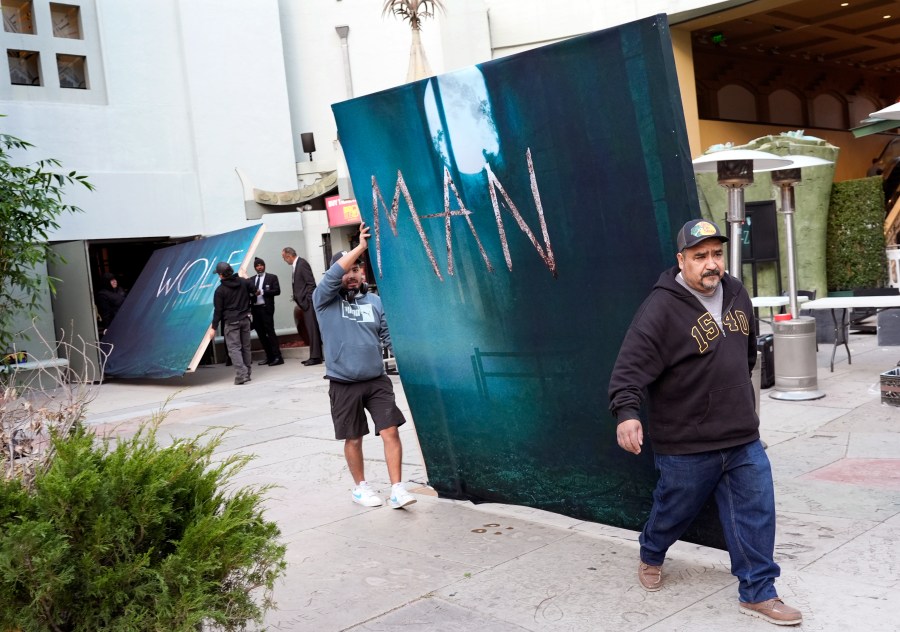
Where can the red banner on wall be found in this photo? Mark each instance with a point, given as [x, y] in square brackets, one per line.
[341, 212]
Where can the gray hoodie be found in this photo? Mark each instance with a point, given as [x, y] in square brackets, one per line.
[353, 332]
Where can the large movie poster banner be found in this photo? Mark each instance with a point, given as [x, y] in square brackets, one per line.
[160, 331]
[522, 209]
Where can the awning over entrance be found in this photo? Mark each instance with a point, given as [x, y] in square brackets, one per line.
[311, 196]
[326, 184]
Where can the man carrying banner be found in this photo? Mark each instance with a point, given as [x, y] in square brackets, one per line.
[690, 348]
[231, 306]
[355, 333]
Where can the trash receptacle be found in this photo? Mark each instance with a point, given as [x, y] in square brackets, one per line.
[796, 373]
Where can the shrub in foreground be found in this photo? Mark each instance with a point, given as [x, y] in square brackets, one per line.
[135, 537]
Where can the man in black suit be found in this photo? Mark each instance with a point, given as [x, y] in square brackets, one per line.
[263, 308]
[303, 284]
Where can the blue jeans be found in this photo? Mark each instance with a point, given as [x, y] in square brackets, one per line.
[741, 479]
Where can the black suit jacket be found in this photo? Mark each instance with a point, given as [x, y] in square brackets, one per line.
[270, 288]
[303, 284]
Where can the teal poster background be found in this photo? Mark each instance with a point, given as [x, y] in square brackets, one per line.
[167, 313]
[522, 209]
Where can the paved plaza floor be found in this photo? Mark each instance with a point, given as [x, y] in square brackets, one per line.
[450, 566]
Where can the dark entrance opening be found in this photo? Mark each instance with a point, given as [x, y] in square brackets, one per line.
[125, 258]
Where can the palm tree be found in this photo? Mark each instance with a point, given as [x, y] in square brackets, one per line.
[414, 11]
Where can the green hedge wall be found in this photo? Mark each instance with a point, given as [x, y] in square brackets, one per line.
[854, 256]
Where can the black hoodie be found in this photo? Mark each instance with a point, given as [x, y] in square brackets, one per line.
[696, 375]
[109, 300]
[232, 300]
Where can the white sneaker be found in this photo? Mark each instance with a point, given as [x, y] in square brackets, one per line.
[400, 498]
[363, 495]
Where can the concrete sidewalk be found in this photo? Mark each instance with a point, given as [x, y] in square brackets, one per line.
[451, 566]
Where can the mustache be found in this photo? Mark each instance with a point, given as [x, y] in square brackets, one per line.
[711, 273]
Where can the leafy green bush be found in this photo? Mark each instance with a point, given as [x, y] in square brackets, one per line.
[135, 537]
[855, 244]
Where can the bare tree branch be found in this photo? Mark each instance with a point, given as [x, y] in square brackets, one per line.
[44, 400]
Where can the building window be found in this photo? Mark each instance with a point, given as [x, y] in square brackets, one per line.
[66, 20]
[860, 108]
[72, 71]
[18, 16]
[736, 103]
[828, 112]
[24, 67]
[54, 45]
[785, 108]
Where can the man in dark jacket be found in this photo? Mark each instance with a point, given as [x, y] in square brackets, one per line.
[262, 305]
[690, 349]
[303, 284]
[109, 300]
[231, 306]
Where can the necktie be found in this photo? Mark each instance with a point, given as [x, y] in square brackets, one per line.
[259, 297]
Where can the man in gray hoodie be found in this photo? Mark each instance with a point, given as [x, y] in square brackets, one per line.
[355, 333]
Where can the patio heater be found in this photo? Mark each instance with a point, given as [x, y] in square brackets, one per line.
[796, 374]
[785, 179]
[735, 168]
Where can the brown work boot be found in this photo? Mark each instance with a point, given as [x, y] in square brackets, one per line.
[650, 577]
[774, 611]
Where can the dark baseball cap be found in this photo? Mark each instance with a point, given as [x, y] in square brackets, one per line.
[338, 255]
[696, 231]
[224, 269]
